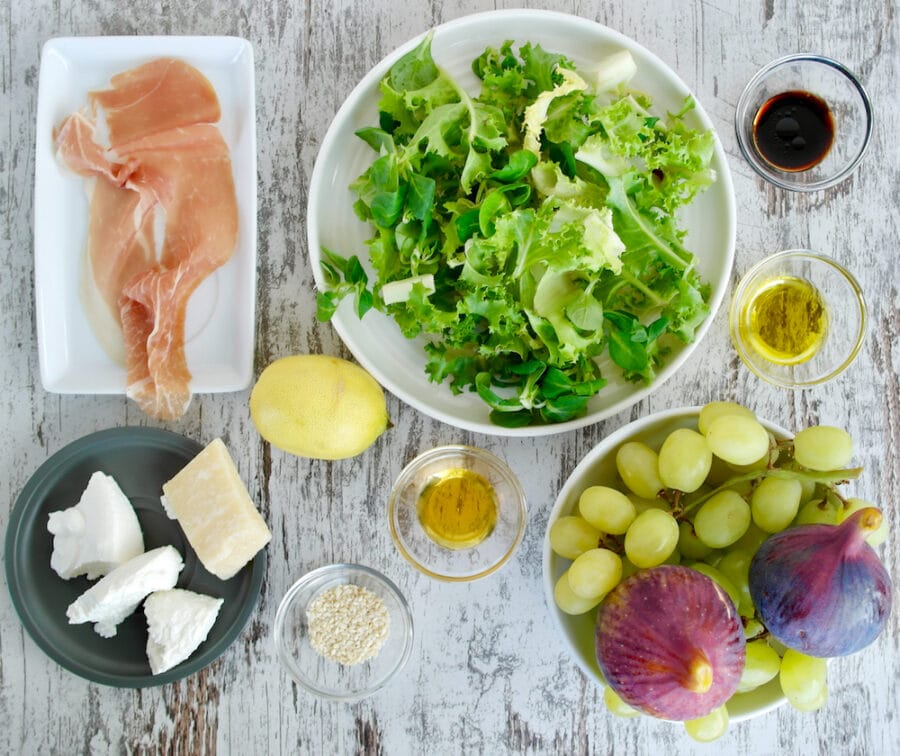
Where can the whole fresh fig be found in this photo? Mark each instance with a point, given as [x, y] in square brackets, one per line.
[821, 589]
[670, 642]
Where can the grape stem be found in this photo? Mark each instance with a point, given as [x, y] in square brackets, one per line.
[829, 478]
[611, 543]
[836, 499]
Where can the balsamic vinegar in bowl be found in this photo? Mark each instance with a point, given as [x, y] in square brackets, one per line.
[793, 130]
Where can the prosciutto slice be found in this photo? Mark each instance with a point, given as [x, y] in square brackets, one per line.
[164, 158]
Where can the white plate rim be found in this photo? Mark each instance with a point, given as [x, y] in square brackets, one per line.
[220, 356]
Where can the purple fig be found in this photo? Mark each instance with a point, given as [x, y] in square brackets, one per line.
[670, 642]
[821, 589]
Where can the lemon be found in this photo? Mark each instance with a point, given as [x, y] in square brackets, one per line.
[317, 406]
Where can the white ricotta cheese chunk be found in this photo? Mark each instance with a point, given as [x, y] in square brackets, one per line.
[96, 535]
[114, 597]
[215, 511]
[178, 621]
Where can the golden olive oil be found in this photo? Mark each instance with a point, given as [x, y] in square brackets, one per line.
[785, 320]
[458, 508]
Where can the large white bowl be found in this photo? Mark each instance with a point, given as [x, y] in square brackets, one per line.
[375, 341]
[599, 468]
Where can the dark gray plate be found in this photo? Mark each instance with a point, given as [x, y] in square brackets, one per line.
[140, 460]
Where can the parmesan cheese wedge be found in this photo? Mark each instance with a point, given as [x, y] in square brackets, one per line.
[216, 513]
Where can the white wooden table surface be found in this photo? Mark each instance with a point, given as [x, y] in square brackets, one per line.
[488, 674]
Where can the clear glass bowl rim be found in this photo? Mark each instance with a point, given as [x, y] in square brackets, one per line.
[775, 177]
[751, 274]
[448, 450]
[288, 660]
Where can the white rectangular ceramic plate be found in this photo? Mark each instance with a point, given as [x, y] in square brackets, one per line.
[219, 329]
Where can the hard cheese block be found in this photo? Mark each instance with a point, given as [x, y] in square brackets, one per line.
[212, 505]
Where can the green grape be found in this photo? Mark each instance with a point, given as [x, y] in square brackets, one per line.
[752, 539]
[710, 727]
[817, 512]
[571, 536]
[688, 544]
[723, 519]
[642, 505]
[775, 503]
[719, 472]
[616, 705]
[759, 465]
[684, 460]
[628, 568]
[638, 465]
[674, 557]
[738, 440]
[808, 490]
[753, 628]
[735, 565]
[719, 577]
[823, 447]
[876, 537]
[803, 680]
[688, 501]
[568, 601]
[715, 410]
[608, 510]
[761, 664]
[652, 538]
[741, 488]
[816, 703]
[595, 573]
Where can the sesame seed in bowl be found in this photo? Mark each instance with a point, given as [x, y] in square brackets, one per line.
[343, 631]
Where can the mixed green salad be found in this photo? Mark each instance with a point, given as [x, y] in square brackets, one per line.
[528, 230]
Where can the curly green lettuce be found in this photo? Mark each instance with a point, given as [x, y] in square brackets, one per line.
[528, 230]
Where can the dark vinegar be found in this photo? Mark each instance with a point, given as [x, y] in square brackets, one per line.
[793, 131]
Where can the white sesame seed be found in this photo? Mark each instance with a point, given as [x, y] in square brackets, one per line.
[348, 624]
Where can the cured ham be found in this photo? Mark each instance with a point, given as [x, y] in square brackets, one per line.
[163, 160]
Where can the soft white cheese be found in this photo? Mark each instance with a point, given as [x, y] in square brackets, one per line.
[178, 621]
[96, 535]
[112, 598]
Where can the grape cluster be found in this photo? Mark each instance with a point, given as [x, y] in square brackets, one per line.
[708, 498]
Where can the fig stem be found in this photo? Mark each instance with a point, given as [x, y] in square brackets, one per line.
[825, 477]
[700, 674]
[870, 520]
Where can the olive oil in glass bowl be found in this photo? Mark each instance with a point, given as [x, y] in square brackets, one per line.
[798, 319]
[458, 508]
[785, 320]
[457, 513]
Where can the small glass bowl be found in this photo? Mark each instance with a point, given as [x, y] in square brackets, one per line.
[843, 303]
[457, 564]
[322, 676]
[850, 109]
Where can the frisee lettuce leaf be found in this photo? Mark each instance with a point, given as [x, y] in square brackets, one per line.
[546, 214]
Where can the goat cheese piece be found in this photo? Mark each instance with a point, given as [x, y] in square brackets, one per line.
[96, 535]
[178, 621]
[114, 597]
[215, 511]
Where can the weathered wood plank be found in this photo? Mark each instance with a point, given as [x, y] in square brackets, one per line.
[488, 674]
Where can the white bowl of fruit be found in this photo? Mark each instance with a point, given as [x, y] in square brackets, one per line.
[688, 570]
